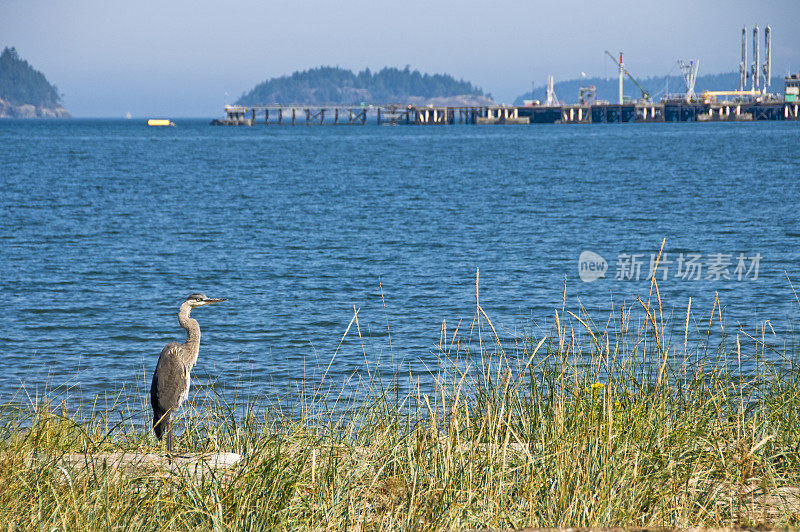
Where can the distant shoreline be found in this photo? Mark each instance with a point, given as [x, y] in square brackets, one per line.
[28, 111]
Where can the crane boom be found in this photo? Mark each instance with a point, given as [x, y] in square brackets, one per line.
[645, 94]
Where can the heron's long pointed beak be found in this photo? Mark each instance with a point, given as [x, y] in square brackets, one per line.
[209, 300]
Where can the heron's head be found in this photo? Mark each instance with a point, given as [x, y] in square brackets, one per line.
[198, 300]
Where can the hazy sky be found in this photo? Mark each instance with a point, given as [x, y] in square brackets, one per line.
[180, 58]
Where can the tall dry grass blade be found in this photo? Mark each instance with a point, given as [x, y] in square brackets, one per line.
[386, 316]
[443, 335]
[361, 341]
[662, 353]
[450, 348]
[792, 286]
[686, 325]
[481, 312]
[660, 307]
[496, 338]
[355, 315]
[559, 333]
[652, 319]
[655, 270]
[762, 343]
[594, 338]
[477, 295]
[711, 318]
[530, 359]
[739, 355]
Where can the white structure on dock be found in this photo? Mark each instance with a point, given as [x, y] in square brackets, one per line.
[551, 100]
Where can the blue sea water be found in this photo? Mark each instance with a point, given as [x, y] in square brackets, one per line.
[107, 225]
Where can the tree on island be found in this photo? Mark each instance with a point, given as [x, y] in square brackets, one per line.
[21, 84]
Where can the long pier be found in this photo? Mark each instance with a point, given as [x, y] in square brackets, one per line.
[601, 113]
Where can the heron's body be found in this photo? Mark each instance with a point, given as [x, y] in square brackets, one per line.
[172, 378]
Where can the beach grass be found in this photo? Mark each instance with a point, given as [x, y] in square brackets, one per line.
[619, 424]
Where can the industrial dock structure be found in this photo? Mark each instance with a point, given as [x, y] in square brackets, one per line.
[753, 103]
[598, 113]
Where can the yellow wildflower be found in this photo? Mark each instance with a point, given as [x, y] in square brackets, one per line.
[594, 387]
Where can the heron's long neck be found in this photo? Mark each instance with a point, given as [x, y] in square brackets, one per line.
[192, 343]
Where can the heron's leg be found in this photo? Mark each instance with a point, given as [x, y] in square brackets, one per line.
[169, 437]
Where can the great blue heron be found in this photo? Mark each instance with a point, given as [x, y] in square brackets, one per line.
[172, 377]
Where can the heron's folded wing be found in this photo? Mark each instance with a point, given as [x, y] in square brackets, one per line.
[169, 380]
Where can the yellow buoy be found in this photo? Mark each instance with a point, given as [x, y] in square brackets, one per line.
[160, 122]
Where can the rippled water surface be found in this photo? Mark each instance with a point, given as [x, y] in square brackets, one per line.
[107, 225]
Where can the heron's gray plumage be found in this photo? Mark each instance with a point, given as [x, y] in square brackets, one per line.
[172, 378]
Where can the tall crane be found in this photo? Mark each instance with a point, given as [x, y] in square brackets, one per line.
[689, 71]
[645, 94]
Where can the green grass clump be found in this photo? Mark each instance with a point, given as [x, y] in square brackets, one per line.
[583, 427]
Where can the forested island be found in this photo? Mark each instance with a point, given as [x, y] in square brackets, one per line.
[25, 92]
[338, 86]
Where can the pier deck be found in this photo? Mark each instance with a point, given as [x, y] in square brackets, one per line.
[404, 114]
